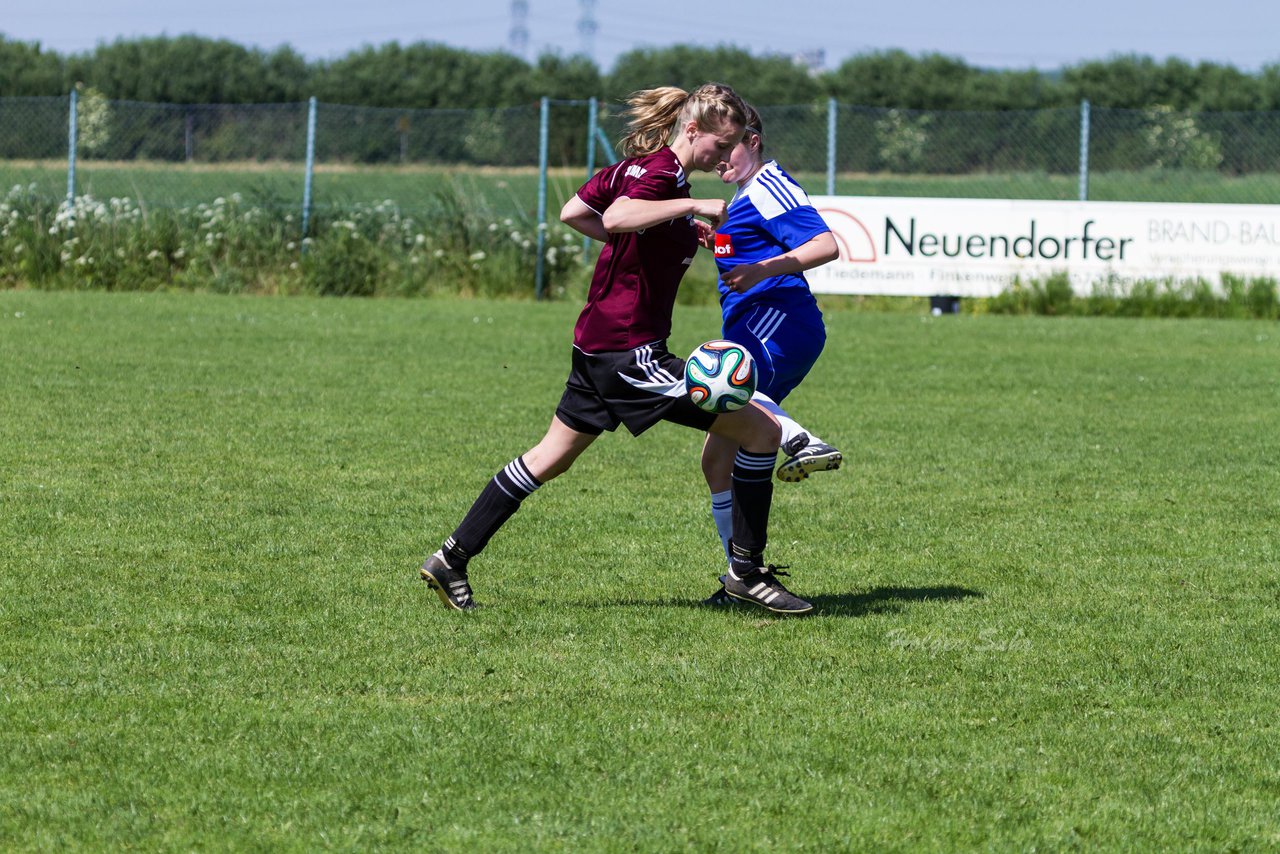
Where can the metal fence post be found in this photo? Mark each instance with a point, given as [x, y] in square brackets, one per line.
[593, 126]
[71, 150]
[310, 168]
[544, 121]
[606, 146]
[1084, 150]
[831, 146]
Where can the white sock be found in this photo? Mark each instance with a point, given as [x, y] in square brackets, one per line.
[722, 513]
[790, 427]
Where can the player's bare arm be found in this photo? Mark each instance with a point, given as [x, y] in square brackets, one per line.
[814, 253]
[583, 219]
[628, 214]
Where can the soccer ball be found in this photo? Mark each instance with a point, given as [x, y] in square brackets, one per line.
[720, 376]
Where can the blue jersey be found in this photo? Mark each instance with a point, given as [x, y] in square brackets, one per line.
[768, 217]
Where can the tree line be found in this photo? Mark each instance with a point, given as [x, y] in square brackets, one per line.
[196, 70]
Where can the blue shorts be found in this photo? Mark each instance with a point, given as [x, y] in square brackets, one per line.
[785, 337]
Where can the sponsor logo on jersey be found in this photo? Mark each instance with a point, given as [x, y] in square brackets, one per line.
[724, 245]
[635, 171]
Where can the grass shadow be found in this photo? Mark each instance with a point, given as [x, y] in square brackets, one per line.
[878, 600]
[887, 600]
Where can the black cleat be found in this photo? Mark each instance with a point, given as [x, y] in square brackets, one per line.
[451, 584]
[761, 587]
[805, 457]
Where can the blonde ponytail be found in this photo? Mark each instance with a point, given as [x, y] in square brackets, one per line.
[654, 114]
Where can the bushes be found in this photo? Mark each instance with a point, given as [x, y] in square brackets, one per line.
[1236, 297]
[229, 245]
[1050, 296]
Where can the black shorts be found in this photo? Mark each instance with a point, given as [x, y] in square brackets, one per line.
[637, 388]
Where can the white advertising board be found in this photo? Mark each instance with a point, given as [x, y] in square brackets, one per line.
[976, 247]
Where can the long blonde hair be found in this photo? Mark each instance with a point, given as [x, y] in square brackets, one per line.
[653, 114]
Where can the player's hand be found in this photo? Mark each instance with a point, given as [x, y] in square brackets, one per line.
[706, 235]
[742, 278]
[712, 210]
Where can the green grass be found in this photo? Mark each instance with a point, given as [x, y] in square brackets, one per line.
[1045, 584]
[514, 192]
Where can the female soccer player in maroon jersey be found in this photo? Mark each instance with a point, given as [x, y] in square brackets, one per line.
[621, 371]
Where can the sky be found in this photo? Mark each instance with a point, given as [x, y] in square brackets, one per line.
[984, 33]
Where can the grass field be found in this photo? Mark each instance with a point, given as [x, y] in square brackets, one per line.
[514, 192]
[1045, 587]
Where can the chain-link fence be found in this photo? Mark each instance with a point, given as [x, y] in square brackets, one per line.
[333, 156]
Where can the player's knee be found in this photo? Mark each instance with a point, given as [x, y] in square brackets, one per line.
[773, 435]
[766, 434]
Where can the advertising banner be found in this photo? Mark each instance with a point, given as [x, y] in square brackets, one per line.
[977, 247]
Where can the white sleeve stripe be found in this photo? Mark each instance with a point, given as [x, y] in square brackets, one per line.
[779, 190]
[797, 192]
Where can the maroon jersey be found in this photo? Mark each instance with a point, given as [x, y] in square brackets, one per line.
[633, 288]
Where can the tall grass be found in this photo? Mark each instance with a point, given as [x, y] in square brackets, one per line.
[439, 232]
[1235, 297]
[458, 245]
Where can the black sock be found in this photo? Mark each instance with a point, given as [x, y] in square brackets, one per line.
[497, 503]
[752, 498]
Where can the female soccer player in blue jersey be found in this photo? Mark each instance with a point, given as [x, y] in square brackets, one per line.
[621, 371]
[769, 238]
